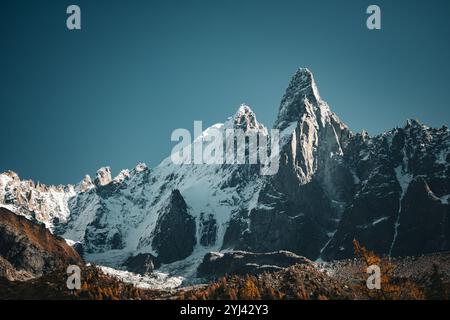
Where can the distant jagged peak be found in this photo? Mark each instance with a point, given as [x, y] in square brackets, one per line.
[364, 133]
[124, 174]
[86, 184]
[10, 175]
[244, 109]
[414, 129]
[414, 123]
[103, 176]
[245, 119]
[140, 167]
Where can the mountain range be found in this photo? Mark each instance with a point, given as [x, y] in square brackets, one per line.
[389, 191]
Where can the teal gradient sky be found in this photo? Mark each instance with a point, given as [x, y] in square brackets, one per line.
[112, 93]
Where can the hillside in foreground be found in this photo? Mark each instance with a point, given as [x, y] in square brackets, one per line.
[424, 277]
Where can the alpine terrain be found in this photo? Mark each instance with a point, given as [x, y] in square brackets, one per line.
[390, 192]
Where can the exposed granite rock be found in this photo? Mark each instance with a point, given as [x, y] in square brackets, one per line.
[30, 247]
[216, 264]
[174, 236]
[400, 205]
[424, 224]
[208, 230]
[142, 263]
[103, 176]
[7, 271]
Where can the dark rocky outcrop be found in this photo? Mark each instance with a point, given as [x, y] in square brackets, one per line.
[8, 272]
[30, 247]
[424, 224]
[216, 264]
[174, 235]
[208, 230]
[400, 206]
[299, 206]
[142, 263]
[78, 247]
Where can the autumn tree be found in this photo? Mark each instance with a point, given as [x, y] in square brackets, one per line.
[250, 290]
[392, 288]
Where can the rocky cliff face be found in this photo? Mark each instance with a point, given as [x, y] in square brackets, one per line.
[400, 205]
[46, 204]
[29, 248]
[298, 208]
[174, 234]
[389, 191]
[215, 265]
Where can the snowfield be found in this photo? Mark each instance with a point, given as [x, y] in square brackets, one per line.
[154, 281]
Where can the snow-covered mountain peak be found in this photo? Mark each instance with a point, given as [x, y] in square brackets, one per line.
[413, 123]
[86, 184]
[303, 80]
[10, 175]
[140, 167]
[103, 176]
[124, 174]
[245, 119]
[303, 83]
[312, 135]
[36, 201]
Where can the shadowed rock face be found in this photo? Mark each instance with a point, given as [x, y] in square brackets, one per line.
[8, 272]
[215, 264]
[208, 231]
[334, 186]
[400, 204]
[31, 248]
[299, 207]
[143, 263]
[424, 224]
[174, 235]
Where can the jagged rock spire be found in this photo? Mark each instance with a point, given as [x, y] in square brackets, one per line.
[103, 176]
[245, 119]
[312, 134]
[301, 96]
[86, 184]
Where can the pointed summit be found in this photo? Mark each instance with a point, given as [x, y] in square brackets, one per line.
[245, 119]
[244, 109]
[301, 96]
[303, 82]
[86, 184]
[314, 133]
[413, 123]
[103, 176]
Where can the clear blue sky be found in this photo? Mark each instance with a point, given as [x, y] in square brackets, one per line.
[112, 93]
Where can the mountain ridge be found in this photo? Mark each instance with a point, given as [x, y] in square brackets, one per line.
[332, 186]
